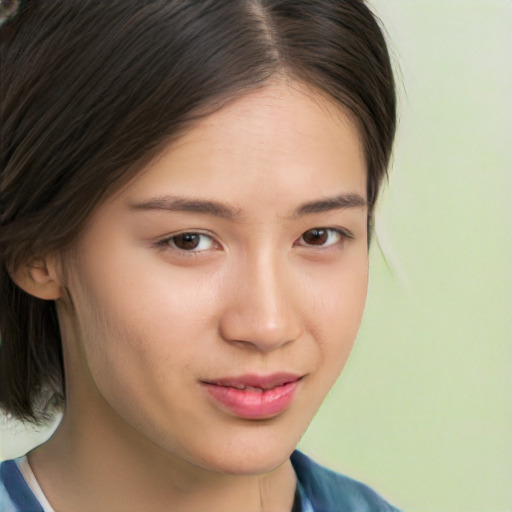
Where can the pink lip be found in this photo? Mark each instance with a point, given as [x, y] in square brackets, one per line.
[264, 396]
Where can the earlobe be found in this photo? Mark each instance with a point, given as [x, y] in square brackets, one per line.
[40, 279]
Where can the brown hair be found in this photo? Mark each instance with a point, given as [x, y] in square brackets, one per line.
[90, 87]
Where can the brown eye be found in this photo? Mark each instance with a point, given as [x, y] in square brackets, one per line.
[192, 242]
[323, 237]
[315, 236]
[186, 241]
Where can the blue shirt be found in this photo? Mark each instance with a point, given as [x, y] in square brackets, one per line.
[318, 490]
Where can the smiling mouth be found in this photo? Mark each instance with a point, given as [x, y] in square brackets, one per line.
[254, 396]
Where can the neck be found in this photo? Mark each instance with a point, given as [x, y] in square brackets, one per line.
[87, 466]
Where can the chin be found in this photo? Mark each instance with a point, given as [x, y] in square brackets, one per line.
[246, 460]
[248, 465]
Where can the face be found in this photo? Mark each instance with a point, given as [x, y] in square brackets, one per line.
[218, 295]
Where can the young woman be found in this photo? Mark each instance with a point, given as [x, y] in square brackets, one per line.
[187, 189]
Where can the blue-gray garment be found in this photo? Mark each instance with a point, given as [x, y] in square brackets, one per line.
[323, 490]
[318, 490]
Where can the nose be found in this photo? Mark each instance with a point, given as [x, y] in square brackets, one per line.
[261, 311]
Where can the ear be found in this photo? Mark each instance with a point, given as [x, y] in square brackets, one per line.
[39, 278]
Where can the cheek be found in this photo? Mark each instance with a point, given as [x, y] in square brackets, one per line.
[137, 350]
[337, 307]
[144, 324]
[153, 325]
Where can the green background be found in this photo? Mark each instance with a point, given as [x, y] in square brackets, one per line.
[423, 410]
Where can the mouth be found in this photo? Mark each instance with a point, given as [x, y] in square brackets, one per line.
[254, 396]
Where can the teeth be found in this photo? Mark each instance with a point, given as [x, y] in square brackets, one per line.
[254, 389]
[241, 387]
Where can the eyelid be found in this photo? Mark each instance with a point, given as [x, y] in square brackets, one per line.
[165, 242]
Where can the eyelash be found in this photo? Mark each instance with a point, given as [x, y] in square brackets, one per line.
[343, 235]
[169, 242]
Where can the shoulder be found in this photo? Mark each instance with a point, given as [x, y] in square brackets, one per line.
[329, 491]
[15, 494]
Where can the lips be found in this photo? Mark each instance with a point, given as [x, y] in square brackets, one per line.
[254, 396]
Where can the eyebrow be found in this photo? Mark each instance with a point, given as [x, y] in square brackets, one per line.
[184, 204]
[327, 204]
[226, 211]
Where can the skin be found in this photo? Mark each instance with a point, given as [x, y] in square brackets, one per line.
[149, 320]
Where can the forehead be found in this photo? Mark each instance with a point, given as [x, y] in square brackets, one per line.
[283, 138]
